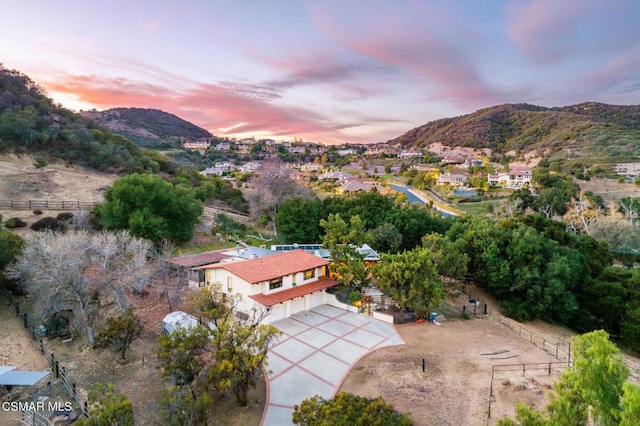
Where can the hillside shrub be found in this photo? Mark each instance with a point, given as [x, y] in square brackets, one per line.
[48, 223]
[15, 222]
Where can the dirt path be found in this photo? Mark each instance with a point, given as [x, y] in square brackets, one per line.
[17, 349]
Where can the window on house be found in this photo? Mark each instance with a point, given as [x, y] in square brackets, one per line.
[309, 273]
[277, 283]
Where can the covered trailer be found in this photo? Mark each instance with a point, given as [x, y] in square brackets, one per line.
[178, 319]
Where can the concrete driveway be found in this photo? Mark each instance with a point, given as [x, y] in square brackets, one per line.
[314, 354]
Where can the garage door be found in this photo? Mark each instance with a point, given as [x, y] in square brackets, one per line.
[277, 313]
[297, 305]
[315, 299]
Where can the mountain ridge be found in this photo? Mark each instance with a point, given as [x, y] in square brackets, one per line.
[147, 127]
[523, 128]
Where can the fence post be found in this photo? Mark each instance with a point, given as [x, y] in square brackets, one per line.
[55, 366]
[556, 351]
[549, 369]
[464, 310]
[423, 364]
[24, 320]
[75, 394]
[86, 409]
[524, 367]
[543, 345]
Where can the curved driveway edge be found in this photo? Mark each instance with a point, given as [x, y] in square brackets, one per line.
[315, 352]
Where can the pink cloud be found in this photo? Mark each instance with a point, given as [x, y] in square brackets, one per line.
[414, 42]
[620, 75]
[241, 108]
[548, 30]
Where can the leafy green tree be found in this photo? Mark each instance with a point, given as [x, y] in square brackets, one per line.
[112, 408]
[240, 352]
[630, 415]
[298, 220]
[120, 332]
[180, 354]
[450, 261]
[410, 278]
[342, 240]
[180, 408]
[10, 246]
[150, 207]
[386, 238]
[347, 409]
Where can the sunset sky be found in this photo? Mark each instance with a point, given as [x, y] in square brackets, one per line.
[329, 71]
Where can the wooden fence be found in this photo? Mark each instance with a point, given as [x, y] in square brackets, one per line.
[46, 205]
[56, 368]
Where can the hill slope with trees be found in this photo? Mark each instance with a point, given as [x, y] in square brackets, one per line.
[147, 127]
[589, 129]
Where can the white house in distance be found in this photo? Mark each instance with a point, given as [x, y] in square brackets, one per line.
[516, 178]
[284, 283]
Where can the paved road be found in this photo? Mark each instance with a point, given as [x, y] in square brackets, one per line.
[314, 354]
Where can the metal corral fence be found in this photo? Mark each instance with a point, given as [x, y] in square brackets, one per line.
[46, 205]
[58, 370]
[561, 350]
[511, 370]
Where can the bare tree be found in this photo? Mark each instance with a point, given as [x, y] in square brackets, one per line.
[171, 278]
[630, 209]
[582, 212]
[270, 188]
[82, 271]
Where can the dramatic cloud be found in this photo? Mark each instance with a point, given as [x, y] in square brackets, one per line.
[422, 50]
[234, 107]
[547, 31]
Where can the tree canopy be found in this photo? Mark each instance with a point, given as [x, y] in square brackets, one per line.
[150, 207]
[347, 409]
[594, 391]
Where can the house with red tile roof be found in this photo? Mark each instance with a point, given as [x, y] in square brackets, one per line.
[284, 283]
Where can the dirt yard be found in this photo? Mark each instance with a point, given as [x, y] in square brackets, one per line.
[458, 356]
[21, 181]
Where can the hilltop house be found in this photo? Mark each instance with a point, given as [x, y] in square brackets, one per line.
[284, 283]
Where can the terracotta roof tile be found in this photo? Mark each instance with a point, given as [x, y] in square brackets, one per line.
[291, 293]
[267, 268]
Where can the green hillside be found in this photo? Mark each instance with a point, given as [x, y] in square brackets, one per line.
[593, 132]
[148, 127]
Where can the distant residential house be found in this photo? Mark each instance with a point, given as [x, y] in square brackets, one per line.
[213, 171]
[311, 167]
[284, 284]
[410, 154]
[455, 179]
[250, 167]
[335, 175]
[196, 145]
[516, 178]
[224, 165]
[345, 152]
[296, 149]
[357, 185]
[450, 159]
[223, 146]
